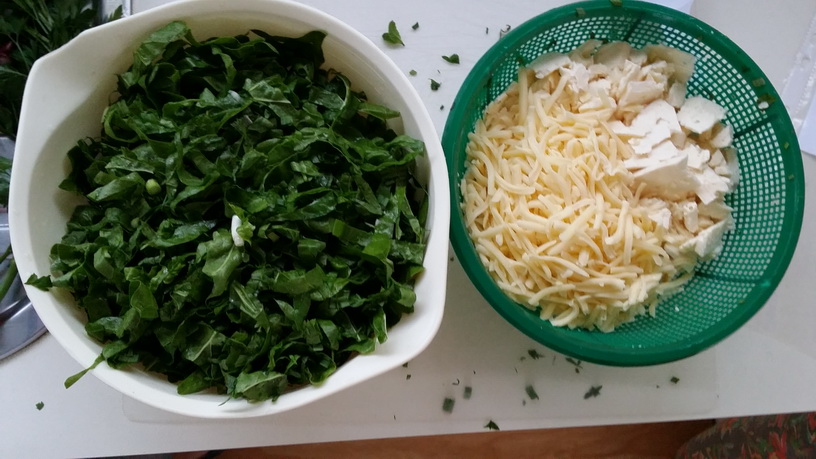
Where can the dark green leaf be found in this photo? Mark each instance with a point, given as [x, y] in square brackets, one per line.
[453, 58]
[447, 405]
[491, 425]
[531, 392]
[593, 391]
[42, 283]
[435, 85]
[393, 36]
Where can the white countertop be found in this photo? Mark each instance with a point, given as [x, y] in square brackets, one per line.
[769, 366]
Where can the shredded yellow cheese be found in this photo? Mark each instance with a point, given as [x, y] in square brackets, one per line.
[557, 219]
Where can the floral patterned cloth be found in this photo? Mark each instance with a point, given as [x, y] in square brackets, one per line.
[776, 436]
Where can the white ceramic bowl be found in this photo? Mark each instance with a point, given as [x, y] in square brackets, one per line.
[63, 103]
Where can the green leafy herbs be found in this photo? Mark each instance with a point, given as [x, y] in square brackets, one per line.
[251, 224]
[531, 392]
[40, 406]
[674, 380]
[467, 392]
[534, 354]
[435, 85]
[491, 425]
[453, 58]
[447, 404]
[412, 72]
[415, 26]
[30, 29]
[393, 36]
[593, 391]
[616, 2]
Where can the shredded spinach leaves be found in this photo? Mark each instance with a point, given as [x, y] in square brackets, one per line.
[331, 219]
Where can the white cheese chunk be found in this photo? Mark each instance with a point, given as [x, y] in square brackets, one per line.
[699, 114]
[662, 217]
[659, 133]
[640, 93]
[708, 242]
[712, 186]
[690, 216]
[682, 62]
[548, 63]
[613, 54]
[723, 136]
[672, 179]
[584, 52]
[677, 94]
[717, 210]
[697, 157]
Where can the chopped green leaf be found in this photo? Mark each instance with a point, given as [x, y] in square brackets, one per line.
[41, 282]
[40, 406]
[758, 82]
[412, 72]
[616, 2]
[447, 405]
[491, 425]
[575, 363]
[408, 376]
[393, 36]
[580, 12]
[435, 85]
[534, 354]
[415, 26]
[531, 392]
[593, 391]
[466, 394]
[453, 58]
[674, 380]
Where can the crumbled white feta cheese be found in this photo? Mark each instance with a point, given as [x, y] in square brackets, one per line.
[712, 186]
[677, 94]
[613, 54]
[690, 216]
[548, 63]
[671, 179]
[655, 136]
[662, 217]
[722, 136]
[699, 114]
[640, 93]
[697, 157]
[584, 52]
[681, 61]
[708, 242]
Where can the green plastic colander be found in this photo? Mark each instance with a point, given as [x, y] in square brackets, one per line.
[768, 202]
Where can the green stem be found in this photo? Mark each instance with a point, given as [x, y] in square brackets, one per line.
[5, 254]
[8, 279]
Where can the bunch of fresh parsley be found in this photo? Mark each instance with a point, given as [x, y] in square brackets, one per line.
[30, 29]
